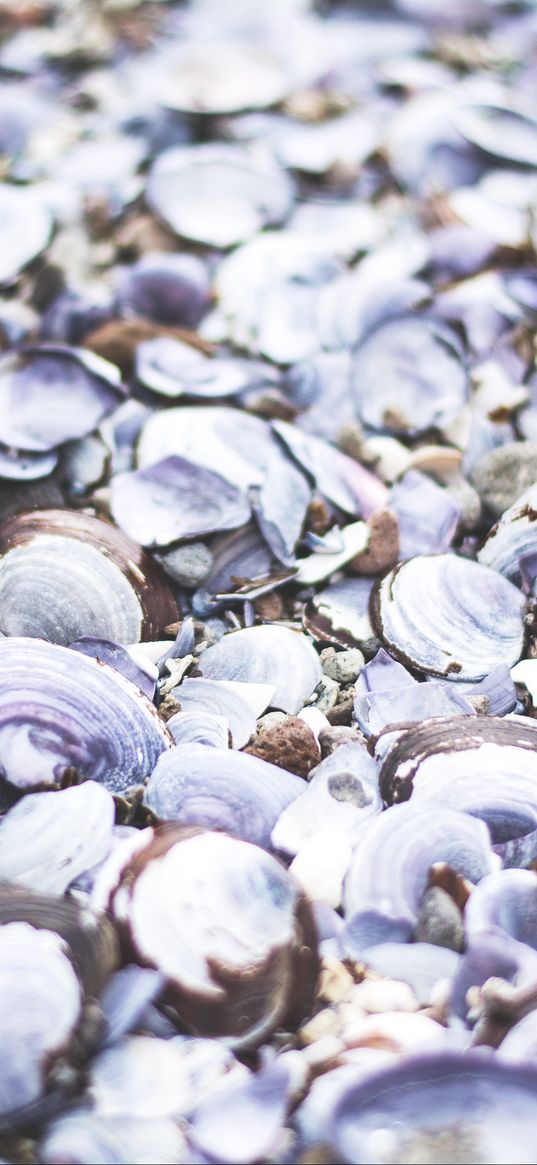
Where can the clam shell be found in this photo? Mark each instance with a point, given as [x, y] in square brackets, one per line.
[65, 574]
[26, 227]
[50, 393]
[268, 654]
[223, 700]
[219, 195]
[448, 616]
[242, 954]
[83, 1136]
[63, 714]
[409, 375]
[220, 789]
[513, 537]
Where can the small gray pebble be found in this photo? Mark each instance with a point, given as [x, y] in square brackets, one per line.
[501, 476]
[187, 565]
[326, 695]
[270, 720]
[467, 499]
[344, 666]
[334, 737]
[439, 921]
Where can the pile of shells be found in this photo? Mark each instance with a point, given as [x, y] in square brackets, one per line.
[268, 582]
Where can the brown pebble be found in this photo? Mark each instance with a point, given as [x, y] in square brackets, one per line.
[168, 707]
[383, 549]
[319, 517]
[341, 714]
[291, 746]
[142, 234]
[269, 607]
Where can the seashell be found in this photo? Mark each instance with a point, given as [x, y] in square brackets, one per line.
[135, 667]
[501, 131]
[174, 369]
[125, 998]
[167, 288]
[34, 965]
[65, 574]
[244, 1119]
[241, 961]
[426, 1099]
[342, 792]
[217, 698]
[340, 479]
[62, 715]
[26, 228]
[483, 766]
[21, 466]
[48, 840]
[241, 555]
[220, 789]
[407, 368]
[421, 965]
[226, 76]
[84, 464]
[143, 1077]
[199, 728]
[469, 616]
[173, 500]
[317, 568]
[217, 194]
[36, 383]
[246, 456]
[519, 1045]
[392, 859]
[428, 518]
[377, 710]
[504, 904]
[340, 614]
[512, 538]
[81, 1136]
[267, 655]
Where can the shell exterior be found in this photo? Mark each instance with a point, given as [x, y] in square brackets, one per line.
[65, 574]
[447, 616]
[267, 654]
[61, 716]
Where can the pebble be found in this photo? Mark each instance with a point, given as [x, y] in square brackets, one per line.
[326, 695]
[439, 921]
[342, 666]
[382, 551]
[377, 995]
[290, 745]
[270, 720]
[337, 735]
[468, 501]
[187, 565]
[500, 477]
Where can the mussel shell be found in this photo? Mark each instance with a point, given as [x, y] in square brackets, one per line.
[65, 574]
[242, 963]
[448, 616]
[476, 1107]
[63, 717]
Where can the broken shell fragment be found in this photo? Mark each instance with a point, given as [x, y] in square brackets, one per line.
[264, 655]
[241, 963]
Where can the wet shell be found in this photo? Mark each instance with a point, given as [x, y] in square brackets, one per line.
[448, 616]
[65, 574]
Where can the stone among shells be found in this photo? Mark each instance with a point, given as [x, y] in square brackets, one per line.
[243, 961]
[65, 574]
[447, 616]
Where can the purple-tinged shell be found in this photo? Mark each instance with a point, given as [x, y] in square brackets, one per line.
[167, 288]
[392, 859]
[513, 538]
[448, 616]
[344, 482]
[341, 793]
[50, 394]
[63, 717]
[217, 194]
[243, 554]
[421, 965]
[268, 654]
[65, 574]
[80, 1136]
[243, 1120]
[23, 466]
[199, 728]
[223, 700]
[486, 766]
[193, 784]
[409, 375]
[340, 614]
[386, 694]
[145, 677]
[505, 904]
[476, 1107]
[227, 926]
[503, 132]
[427, 515]
[172, 369]
[173, 500]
